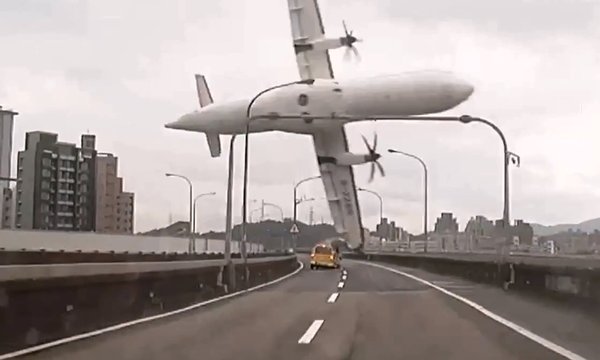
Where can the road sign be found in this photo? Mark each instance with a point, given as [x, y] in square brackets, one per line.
[294, 229]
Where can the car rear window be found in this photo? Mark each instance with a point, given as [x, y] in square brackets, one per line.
[322, 250]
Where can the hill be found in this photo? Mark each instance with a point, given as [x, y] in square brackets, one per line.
[588, 226]
[275, 234]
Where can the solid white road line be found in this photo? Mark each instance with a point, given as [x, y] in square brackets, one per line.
[333, 297]
[139, 321]
[517, 328]
[311, 332]
[341, 284]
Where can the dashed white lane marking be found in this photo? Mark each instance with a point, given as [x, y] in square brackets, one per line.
[116, 327]
[341, 284]
[517, 328]
[333, 297]
[344, 277]
[311, 332]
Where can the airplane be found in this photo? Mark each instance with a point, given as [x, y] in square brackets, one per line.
[407, 94]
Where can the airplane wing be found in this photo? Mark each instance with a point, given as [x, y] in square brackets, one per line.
[339, 184]
[307, 26]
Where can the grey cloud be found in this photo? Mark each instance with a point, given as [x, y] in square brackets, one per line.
[519, 17]
[122, 72]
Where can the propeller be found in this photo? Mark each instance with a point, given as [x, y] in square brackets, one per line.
[373, 157]
[348, 41]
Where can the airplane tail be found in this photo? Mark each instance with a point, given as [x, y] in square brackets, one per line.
[204, 96]
[205, 99]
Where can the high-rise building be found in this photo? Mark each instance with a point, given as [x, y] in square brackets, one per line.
[388, 231]
[446, 223]
[114, 208]
[480, 226]
[6, 137]
[56, 183]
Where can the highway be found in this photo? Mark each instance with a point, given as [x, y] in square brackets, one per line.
[376, 314]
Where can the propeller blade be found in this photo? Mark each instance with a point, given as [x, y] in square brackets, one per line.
[374, 141]
[380, 168]
[347, 54]
[345, 28]
[367, 144]
[356, 54]
[372, 172]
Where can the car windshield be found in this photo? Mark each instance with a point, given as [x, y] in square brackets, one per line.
[322, 250]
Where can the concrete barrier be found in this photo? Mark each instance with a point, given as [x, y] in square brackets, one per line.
[575, 280]
[42, 303]
[90, 242]
[62, 257]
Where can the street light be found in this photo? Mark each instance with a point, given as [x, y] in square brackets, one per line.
[194, 205]
[191, 245]
[380, 211]
[298, 201]
[249, 119]
[465, 119]
[425, 216]
[277, 207]
[228, 219]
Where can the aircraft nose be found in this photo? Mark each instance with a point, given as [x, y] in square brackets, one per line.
[459, 90]
[465, 89]
[183, 123]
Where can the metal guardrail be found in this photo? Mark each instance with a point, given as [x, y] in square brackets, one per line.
[53, 271]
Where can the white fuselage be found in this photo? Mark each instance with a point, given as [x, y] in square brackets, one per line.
[411, 93]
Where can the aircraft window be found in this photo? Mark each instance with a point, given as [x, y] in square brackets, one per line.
[303, 100]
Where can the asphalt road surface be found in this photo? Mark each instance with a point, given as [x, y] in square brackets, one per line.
[376, 314]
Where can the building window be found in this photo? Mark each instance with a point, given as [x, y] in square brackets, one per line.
[46, 173]
[46, 162]
[45, 196]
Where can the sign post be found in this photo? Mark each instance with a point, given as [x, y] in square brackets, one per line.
[294, 231]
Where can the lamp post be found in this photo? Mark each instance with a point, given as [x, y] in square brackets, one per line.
[380, 211]
[282, 220]
[465, 119]
[425, 216]
[249, 119]
[296, 202]
[228, 218]
[194, 206]
[191, 245]
[277, 207]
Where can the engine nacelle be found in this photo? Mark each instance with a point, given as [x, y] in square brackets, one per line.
[346, 159]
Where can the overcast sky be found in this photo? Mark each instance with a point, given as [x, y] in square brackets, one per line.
[122, 69]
